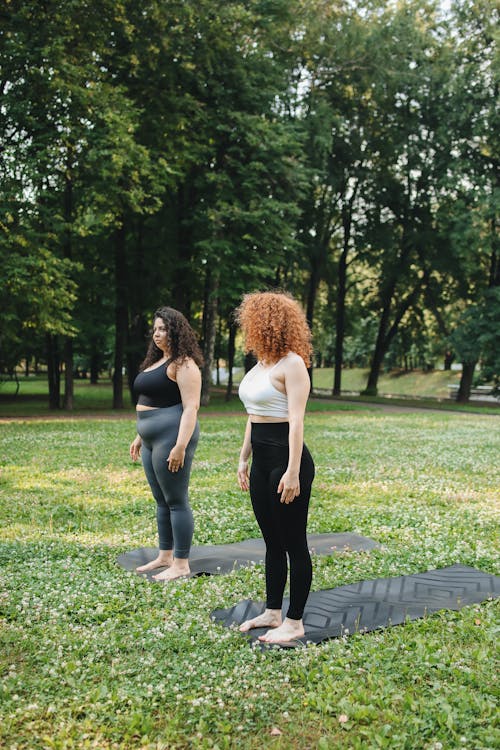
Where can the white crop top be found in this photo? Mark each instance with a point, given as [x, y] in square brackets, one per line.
[259, 395]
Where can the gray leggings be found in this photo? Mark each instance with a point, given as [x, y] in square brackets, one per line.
[158, 429]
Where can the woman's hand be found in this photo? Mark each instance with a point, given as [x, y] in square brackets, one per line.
[176, 458]
[289, 487]
[243, 475]
[135, 448]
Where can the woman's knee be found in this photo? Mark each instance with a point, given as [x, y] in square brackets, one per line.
[177, 501]
[276, 555]
[160, 501]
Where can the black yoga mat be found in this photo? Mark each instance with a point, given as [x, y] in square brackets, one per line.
[368, 605]
[213, 559]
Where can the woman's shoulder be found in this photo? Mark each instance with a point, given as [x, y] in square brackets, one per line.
[294, 369]
[185, 365]
[292, 359]
[184, 362]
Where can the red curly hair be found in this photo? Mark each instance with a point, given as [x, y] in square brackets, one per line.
[274, 324]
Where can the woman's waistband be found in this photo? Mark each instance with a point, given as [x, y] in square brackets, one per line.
[270, 433]
[160, 411]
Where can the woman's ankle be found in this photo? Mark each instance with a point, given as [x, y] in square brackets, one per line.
[165, 554]
[294, 623]
[181, 563]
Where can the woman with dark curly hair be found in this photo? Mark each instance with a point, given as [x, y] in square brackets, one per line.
[275, 394]
[168, 397]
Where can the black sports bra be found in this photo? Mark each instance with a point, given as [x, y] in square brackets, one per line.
[155, 389]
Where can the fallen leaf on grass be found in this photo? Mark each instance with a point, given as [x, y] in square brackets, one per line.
[275, 732]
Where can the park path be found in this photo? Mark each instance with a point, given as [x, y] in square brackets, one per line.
[413, 408]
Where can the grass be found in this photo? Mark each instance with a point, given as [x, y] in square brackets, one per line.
[428, 390]
[32, 398]
[417, 383]
[94, 657]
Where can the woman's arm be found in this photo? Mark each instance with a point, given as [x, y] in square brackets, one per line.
[246, 450]
[297, 386]
[188, 379]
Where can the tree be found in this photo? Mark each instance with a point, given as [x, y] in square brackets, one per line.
[338, 119]
[477, 337]
[408, 168]
[38, 296]
[86, 171]
[243, 192]
[186, 152]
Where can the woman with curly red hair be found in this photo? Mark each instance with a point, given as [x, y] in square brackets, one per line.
[275, 394]
[168, 397]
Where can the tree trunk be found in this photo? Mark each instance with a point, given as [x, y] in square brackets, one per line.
[494, 278]
[386, 335]
[137, 296]
[68, 401]
[465, 386]
[137, 335]
[53, 371]
[379, 352]
[312, 291]
[94, 369]
[448, 360]
[182, 277]
[340, 321]
[209, 333]
[347, 210]
[68, 344]
[121, 316]
[231, 346]
[218, 339]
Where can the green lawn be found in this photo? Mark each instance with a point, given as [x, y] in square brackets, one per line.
[94, 657]
[33, 397]
[417, 384]
[427, 389]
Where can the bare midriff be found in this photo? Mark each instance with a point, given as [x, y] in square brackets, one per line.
[257, 418]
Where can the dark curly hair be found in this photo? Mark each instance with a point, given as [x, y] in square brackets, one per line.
[182, 340]
[274, 324]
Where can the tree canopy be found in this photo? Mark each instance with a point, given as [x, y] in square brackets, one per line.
[183, 153]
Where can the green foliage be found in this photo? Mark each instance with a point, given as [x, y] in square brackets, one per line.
[346, 152]
[39, 296]
[477, 335]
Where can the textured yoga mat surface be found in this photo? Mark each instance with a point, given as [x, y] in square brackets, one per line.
[380, 603]
[213, 559]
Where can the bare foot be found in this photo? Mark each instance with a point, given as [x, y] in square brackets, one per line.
[290, 630]
[176, 570]
[161, 561]
[270, 618]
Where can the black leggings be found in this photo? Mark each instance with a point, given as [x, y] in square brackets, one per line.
[283, 526]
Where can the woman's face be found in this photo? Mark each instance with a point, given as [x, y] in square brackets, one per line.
[160, 334]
